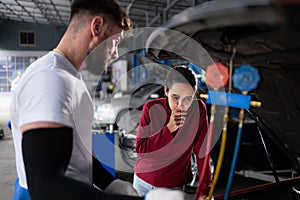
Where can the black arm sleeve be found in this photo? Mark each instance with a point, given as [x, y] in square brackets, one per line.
[46, 154]
[101, 177]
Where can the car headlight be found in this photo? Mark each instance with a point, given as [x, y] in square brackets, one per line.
[102, 112]
[107, 107]
[118, 95]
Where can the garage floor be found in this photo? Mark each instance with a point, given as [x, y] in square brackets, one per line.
[7, 165]
[7, 154]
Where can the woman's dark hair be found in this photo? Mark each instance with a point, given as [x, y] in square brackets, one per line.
[181, 74]
[110, 8]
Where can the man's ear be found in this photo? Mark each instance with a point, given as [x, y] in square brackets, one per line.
[96, 25]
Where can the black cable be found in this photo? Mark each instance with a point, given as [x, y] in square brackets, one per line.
[269, 157]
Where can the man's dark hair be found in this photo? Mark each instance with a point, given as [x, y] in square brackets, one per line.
[110, 8]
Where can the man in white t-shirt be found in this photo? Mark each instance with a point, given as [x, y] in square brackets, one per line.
[52, 112]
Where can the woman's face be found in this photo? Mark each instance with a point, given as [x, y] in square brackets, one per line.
[180, 96]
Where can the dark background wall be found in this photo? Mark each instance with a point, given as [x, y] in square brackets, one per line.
[47, 36]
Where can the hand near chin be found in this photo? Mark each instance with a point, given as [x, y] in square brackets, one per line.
[177, 120]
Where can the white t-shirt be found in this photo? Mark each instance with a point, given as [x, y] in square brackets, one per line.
[52, 90]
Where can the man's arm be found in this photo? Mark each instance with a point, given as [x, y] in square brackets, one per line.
[46, 153]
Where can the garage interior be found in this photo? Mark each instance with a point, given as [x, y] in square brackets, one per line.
[265, 34]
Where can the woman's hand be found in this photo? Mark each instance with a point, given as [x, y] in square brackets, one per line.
[177, 120]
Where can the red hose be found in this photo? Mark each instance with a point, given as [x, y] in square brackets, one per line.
[211, 125]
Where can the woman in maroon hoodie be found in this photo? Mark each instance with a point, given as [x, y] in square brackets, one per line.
[170, 130]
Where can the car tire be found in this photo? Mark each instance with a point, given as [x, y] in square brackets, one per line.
[127, 123]
[191, 187]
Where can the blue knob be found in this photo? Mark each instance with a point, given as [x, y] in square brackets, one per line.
[246, 78]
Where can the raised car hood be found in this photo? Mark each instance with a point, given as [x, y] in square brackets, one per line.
[265, 34]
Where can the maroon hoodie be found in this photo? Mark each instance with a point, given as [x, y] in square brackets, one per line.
[164, 158]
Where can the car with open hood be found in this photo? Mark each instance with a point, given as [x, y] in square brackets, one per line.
[266, 35]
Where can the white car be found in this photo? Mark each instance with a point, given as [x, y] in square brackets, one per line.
[111, 112]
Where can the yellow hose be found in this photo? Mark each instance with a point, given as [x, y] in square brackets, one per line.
[220, 158]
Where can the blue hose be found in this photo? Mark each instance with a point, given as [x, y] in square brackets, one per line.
[235, 156]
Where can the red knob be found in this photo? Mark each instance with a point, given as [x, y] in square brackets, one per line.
[217, 75]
